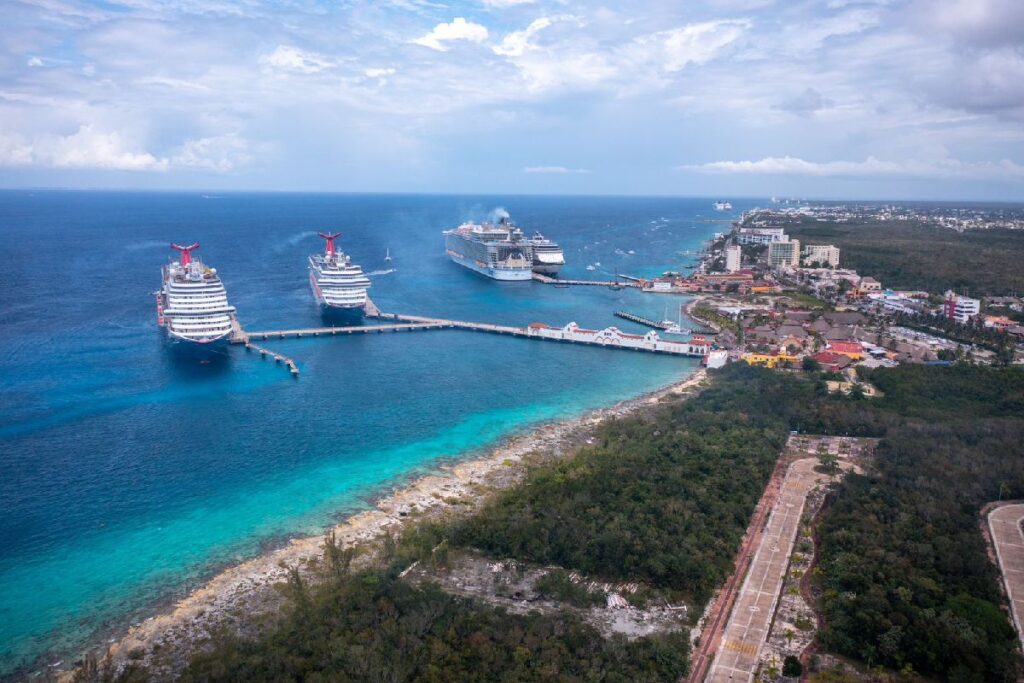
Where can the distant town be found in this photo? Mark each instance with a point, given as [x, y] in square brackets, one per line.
[776, 301]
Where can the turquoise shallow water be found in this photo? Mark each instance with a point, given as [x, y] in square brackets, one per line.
[131, 472]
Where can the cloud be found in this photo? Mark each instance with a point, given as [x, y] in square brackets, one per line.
[870, 167]
[554, 169]
[518, 42]
[87, 148]
[90, 148]
[288, 58]
[978, 23]
[807, 102]
[458, 29]
[696, 43]
[507, 3]
[378, 72]
[221, 154]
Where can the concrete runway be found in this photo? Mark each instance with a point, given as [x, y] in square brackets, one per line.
[747, 630]
[1004, 525]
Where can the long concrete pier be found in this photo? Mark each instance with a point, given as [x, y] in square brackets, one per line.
[610, 337]
[596, 283]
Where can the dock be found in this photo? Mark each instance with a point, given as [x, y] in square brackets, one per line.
[639, 319]
[538, 277]
[610, 337]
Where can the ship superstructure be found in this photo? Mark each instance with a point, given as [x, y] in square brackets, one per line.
[337, 283]
[497, 250]
[548, 257]
[192, 306]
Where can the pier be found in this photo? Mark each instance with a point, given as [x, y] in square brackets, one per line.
[594, 283]
[639, 319]
[610, 337]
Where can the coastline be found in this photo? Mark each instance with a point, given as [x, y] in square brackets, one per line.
[238, 596]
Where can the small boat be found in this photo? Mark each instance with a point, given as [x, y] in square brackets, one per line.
[387, 255]
[615, 286]
[591, 267]
[561, 285]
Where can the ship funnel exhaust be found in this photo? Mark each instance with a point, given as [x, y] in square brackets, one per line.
[330, 237]
[186, 252]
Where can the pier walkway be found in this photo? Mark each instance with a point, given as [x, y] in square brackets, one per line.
[596, 283]
[610, 337]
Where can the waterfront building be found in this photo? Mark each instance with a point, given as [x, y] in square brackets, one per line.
[784, 254]
[733, 257]
[821, 253]
[761, 235]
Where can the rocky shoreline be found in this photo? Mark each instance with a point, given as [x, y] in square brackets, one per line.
[244, 596]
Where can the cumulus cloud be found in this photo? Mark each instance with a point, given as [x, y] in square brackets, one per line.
[870, 167]
[807, 102]
[554, 169]
[90, 148]
[289, 58]
[458, 29]
[87, 148]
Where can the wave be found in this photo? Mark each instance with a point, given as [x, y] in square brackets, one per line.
[386, 271]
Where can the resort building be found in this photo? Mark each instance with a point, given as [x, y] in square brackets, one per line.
[784, 254]
[733, 255]
[823, 254]
[960, 308]
[761, 235]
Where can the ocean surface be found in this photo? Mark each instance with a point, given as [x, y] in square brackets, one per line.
[130, 473]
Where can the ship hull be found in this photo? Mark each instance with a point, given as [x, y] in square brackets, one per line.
[501, 274]
[353, 309]
[547, 269]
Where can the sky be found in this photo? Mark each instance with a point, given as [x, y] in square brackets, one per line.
[727, 98]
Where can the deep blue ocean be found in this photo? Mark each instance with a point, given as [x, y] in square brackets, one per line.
[129, 473]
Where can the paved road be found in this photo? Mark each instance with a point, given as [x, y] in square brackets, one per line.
[751, 618]
[1004, 524]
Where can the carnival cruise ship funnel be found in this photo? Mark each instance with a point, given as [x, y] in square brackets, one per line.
[192, 305]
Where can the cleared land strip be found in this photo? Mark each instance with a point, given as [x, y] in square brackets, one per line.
[745, 633]
[1004, 525]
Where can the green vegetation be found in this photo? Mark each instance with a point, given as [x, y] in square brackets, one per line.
[906, 577]
[663, 501]
[926, 257]
[705, 312]
[557, 585]
[970, 333]
[371, 626]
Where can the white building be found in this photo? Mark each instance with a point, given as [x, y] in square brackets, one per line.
[784, 254]
[821, 253]
[732, 258]
[961, 308]
[761, 235]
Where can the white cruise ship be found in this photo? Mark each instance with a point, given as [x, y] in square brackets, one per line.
[723, 206]
[192, 306]
[338, 284]
[498, 251]
[548, 257]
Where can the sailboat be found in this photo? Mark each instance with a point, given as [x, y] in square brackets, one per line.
[387, 254]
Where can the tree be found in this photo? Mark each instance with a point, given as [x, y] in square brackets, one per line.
[810, 365]
[791, 667]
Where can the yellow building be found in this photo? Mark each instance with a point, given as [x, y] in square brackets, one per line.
[768, 360]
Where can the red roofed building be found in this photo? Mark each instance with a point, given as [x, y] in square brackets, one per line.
[849, 348]
[831, 362]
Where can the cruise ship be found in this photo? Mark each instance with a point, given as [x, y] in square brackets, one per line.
[548, 257]
[723, 206]
[338, 284]
[498, 251]
[192, 306]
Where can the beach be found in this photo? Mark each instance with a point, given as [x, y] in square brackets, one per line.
[237, 597]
